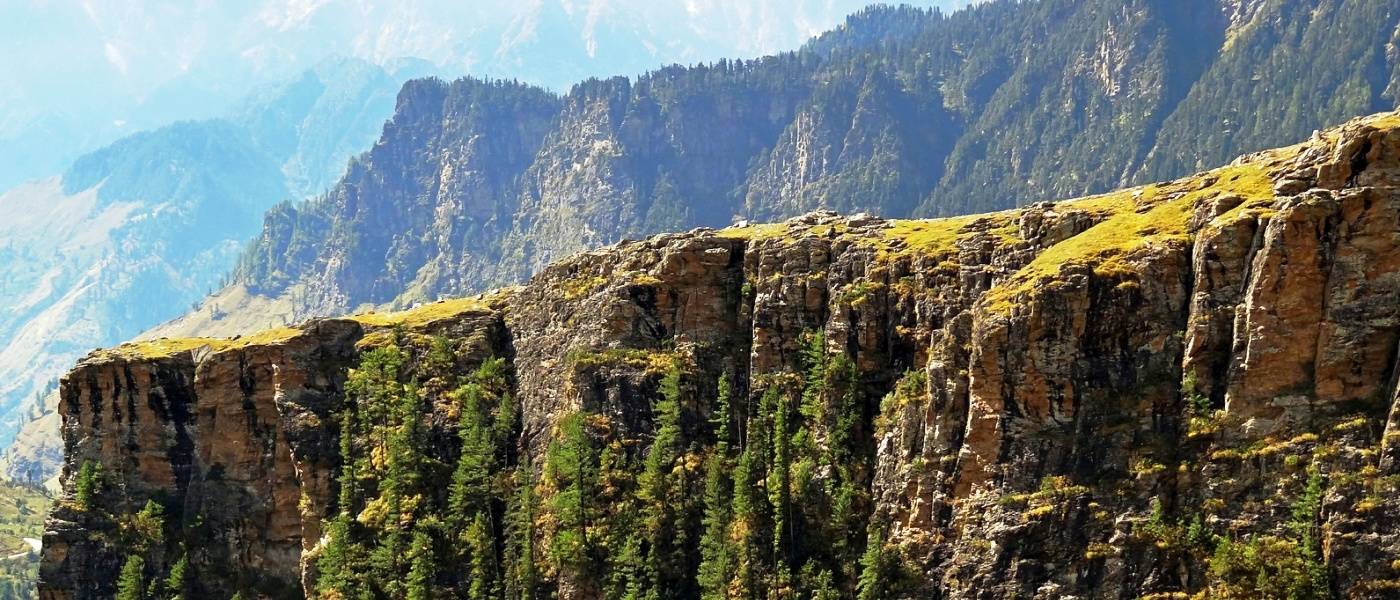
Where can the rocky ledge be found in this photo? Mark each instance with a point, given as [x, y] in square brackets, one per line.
[1185, 388]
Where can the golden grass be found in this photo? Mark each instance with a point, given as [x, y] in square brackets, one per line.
[1385, 120]
[167, 347]
[759, 231]
[582, 286]
[426, 314]
[415, 317]
[940, 237]
[1135, 220]
[650, 361]
[929, 236]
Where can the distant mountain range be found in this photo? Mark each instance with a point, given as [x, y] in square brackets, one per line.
[83, 74]
[135, 233]
[899, 112]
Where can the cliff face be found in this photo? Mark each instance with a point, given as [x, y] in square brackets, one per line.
[1180, 388]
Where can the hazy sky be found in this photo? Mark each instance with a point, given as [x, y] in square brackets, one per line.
[93, 69]
[136, 46]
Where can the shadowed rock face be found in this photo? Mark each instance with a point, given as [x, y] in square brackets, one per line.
[1061, 401]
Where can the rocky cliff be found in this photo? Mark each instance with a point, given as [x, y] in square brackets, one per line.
[1184, 388]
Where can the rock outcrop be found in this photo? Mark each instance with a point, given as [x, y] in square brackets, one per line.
[1183, 388]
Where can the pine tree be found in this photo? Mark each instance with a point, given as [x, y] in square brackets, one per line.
[177, 583]
[628, 561]
[628, 572]
[403, 476]
[422, 571]
[874, 573]
[337, 565]
[818, 583]
[131, 584]
[88, 485]
[481, 546]
[751, 525]
[349, 491]
[470, 488]
[663, 498]
[387, 561]
[521, 576]
[779, 484]
[716, 554]
[571, 469]
[148, 526]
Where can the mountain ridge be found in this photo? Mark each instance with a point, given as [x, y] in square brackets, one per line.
[1184, 387]
[899, 113]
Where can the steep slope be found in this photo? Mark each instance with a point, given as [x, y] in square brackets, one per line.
[133, 234]
[34, 457]
[900, 112]
[1248, 98]
[1179, 388]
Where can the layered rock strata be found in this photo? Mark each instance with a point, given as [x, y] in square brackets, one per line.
[1086, 399]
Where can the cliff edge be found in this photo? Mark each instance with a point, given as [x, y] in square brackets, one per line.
[1183, 388]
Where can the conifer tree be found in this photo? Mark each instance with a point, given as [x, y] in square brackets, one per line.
[662, 488]
[131, 582]
[818, 583]
[470, 488]
[716, 553]
[334, 565]
[177, 583]
[422, 571]
[88, 484]
[387, 561]
[779, 484]
[521, 577]
[751, 526]
[571, 468]
[481, 546]
[874, 570]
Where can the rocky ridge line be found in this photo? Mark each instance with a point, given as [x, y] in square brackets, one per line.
[1056, 392]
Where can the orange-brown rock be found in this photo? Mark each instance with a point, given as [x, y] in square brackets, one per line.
[1072, 400]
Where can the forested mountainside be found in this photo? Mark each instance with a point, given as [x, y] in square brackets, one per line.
[1182, 388]
[135, 233]
[900, 112]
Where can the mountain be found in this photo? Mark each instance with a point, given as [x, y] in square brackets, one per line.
[899, 112]
[290, 140]
[1181, 388]
[136, 232]
[87, 73]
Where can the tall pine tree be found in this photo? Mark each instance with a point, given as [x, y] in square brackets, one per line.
[716, 550]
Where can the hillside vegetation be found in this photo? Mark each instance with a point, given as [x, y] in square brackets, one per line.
[900, 112]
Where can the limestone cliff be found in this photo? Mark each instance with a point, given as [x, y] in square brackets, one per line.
[1184, 388]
